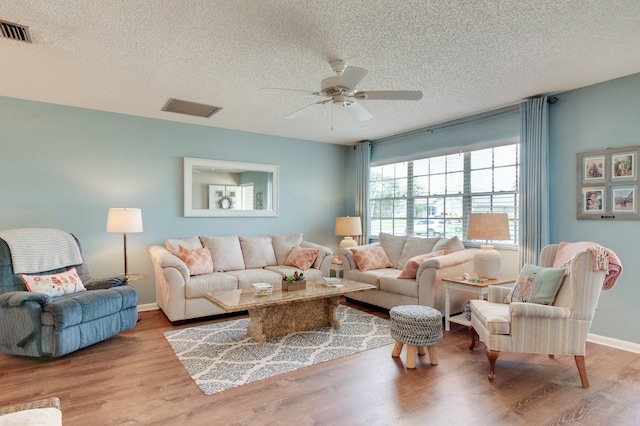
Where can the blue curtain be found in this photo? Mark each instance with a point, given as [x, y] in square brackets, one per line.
[534, 179]
[363, 163]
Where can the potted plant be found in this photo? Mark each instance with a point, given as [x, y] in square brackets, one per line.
[295, 281]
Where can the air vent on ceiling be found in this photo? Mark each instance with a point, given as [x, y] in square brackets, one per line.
[14, 31]
[190, 108]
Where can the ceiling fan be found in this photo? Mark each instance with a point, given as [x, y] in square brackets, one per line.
[341, 90]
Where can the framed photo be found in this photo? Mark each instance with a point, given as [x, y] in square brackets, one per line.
[593, 201]
[623, 199]
[623, 166]
[607, 183]
[593, 169]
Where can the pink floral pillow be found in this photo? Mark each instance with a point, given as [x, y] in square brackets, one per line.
[301, 258]
[368, 258]
[411, 267]
[56, 284]
[197, 260]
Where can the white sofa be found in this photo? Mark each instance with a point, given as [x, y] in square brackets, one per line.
[450, 259]
[237, 262]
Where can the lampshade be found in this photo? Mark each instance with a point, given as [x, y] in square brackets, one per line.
[488, 226]
[348, 226]
[124, 220]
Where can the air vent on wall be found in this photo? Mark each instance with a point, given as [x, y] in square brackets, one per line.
[14, 31]
[190, 108]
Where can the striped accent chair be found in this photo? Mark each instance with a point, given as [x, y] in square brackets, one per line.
[557, 329]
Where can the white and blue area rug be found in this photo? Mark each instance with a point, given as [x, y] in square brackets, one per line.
[221, 356]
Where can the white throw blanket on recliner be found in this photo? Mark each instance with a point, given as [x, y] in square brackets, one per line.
[41, 249]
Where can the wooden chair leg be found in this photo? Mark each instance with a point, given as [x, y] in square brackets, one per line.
[473, 335]
[582, 369]
[396, 350]
[552, 356]
[492, 356]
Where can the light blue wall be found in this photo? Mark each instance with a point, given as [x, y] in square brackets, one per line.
[63, 167]
[606, 115]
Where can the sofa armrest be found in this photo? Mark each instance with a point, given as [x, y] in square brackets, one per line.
[165, 259]
[535, 310]
[17, 298]
[446, 261]
[108, 282]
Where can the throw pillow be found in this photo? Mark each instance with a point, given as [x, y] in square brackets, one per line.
[197, 260]
[536, 284]
[411, 267]
[55, 284]
[283, 244]
[190, 243]
[257, 252]
[226, 253]
[449, 245]
[371, 257]
[301, 258]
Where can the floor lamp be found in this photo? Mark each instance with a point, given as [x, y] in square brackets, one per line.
[124, 220]
[488, 226]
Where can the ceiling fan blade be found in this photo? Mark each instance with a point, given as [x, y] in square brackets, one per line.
[350, 77]
[305, 109]
[278, 89]
[358, 112]
[390, 95]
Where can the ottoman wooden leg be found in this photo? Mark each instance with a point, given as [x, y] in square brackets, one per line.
[411, 356]
[433, 354]
[421, 350]
[396, 350]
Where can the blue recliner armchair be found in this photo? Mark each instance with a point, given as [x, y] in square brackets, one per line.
[39, 325]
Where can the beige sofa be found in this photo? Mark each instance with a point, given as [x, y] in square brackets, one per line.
[448, 258]
[236, 262]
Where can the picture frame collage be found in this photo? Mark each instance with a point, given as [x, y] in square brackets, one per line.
[608, 184]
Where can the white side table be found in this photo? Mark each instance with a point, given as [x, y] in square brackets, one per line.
[336, 268]
[479, 288]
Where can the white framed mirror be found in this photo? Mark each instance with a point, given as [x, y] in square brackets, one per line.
[215, 188]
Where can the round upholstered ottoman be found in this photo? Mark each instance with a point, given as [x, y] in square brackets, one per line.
[418, 327]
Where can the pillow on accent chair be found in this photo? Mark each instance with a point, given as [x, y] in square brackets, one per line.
[301, 258]
[536, 284]
[197, 260]
[411, 267]
[55, 284]
[372, 257]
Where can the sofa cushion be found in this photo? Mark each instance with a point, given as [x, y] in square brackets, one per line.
[373, 276]
[415, 246]
[197, 260]
[411, 267]
[536, 284]
[200, 285]
[301, 258]
[54, 284]
[494, 316]
[247, 277]
[394, 285]
[283, 244]
[226, 252]
[257, 252]
[449, 245]
[392, 245]
[189, 243]
[371, 257]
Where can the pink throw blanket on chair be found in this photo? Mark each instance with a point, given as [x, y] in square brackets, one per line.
[604, 259]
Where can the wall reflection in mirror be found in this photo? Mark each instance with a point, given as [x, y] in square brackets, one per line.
[226, 188]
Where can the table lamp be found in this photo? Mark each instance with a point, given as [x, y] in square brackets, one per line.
[347, 227]
[488, 226]
[124, 220]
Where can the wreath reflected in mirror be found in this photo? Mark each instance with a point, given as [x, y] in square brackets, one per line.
[225, 202]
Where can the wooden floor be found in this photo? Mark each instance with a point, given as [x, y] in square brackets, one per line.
[135, 379]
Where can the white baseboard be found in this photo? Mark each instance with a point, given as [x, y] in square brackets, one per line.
[148, 307]
[614, 343]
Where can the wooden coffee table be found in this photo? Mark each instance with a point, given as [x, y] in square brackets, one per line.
[287, 311]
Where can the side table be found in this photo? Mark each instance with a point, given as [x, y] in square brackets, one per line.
[479, 288]
[336, 268]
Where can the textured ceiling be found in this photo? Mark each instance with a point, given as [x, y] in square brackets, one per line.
[467, 57]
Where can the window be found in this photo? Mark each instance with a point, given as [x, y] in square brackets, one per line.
[433, 196]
